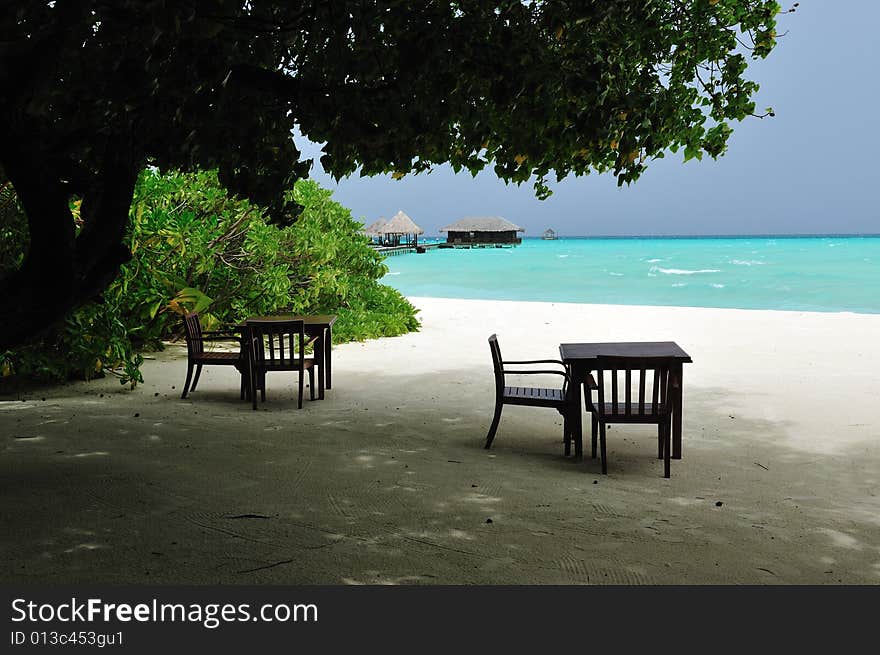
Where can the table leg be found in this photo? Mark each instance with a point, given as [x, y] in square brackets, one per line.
[252, 372]
[575, 390]
[321, 365]
[328, 356]
[676, 413]
[577, 428]
[247, 375]
[568, 424]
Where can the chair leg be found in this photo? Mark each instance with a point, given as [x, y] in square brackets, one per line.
[242, 387]
[594, 429]
[322, 370]
[660, 441]
[602, 448]
[301, 385]
[189, 372]
[667, 447]
[494, 427]
[196, 378]
[263, 387]
[312, 383]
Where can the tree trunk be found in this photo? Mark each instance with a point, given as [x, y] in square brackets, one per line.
[62, 271]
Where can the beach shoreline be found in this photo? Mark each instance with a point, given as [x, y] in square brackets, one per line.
[386, 480]
[817, 274]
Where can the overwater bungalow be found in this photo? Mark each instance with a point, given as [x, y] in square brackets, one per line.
[549, 235]
[372, 230]
[482, 231]
[400, 231]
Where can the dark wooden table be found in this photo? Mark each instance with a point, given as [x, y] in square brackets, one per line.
[321, 326]
[580, 358]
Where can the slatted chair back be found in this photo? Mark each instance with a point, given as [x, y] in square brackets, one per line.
[622, 404]
[193, 328]
[498, 365]
[277, 342]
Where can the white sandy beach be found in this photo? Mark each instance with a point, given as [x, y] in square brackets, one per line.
[387, 481]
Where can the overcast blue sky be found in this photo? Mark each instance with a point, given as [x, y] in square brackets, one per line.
[811, 169]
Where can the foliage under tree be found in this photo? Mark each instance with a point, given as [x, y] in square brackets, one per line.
[195, 248]
[93, 91]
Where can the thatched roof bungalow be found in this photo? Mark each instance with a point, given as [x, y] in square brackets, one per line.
[401, 224]
[372, 230]
[400, 229]
[482, 230]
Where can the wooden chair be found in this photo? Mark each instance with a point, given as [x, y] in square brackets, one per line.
[278, 346]
[531, 396]
[197, 356]
[628, 410]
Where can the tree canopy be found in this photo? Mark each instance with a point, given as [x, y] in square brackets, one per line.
[95, 90]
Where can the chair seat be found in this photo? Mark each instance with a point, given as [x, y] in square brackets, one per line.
[284, 364]
[534, 396]
[217, 358]
[648, 415]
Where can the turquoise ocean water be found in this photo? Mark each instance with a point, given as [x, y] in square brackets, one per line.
[827, 274]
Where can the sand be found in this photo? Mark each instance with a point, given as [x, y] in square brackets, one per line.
[387, 481]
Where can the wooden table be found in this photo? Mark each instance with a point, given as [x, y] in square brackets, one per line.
[321, 326]
[580, 359]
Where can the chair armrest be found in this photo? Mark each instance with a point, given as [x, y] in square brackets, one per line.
[535, 361]
[542, 372]
[219, 337]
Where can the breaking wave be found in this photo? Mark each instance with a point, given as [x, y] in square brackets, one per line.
[684, 271]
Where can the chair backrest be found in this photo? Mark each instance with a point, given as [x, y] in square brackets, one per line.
[193, 330]
[497, 364]
[274, 341]
[608, 369]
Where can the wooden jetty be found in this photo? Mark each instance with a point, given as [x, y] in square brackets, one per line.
[402, 250]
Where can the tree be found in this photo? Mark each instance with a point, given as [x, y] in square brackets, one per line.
[194, 248]
[95, 90]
